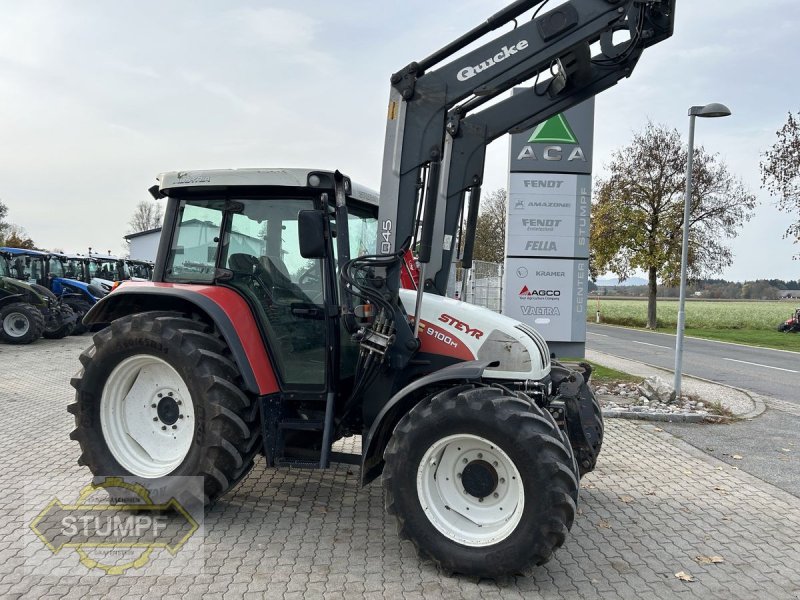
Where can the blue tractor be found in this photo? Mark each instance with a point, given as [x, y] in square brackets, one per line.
[59, 275]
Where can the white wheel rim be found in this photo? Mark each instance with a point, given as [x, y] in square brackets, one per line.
[138, 416]
[457, 514]
[16, 324]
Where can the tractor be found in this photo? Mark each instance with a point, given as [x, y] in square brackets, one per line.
[792, 324]
[58, 275]
[276, 323]
[29, 311]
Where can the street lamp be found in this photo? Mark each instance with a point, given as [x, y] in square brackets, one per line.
[708, 111]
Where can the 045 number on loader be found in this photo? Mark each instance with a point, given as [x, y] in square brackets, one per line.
[276, 323]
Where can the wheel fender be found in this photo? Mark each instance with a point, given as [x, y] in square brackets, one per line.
[403, 401]
[224, 307]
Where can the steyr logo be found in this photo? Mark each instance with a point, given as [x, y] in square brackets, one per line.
[553, 132]
[468, 73]
[461, 326]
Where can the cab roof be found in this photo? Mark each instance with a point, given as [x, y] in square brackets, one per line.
[176, 180]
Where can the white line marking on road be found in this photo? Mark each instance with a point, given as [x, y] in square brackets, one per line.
[654, 345]
[598, 334]
[744, 362]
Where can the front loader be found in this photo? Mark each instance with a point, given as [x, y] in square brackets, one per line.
[276, 325]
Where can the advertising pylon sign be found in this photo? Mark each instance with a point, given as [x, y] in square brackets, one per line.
[547, 229]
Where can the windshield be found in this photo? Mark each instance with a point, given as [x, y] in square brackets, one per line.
[103, 269]
[28, 268]
[139, 270]
[73, 268]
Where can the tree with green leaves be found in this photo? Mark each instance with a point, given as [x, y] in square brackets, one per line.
[780, 173]
[17, 237]
[490, 231]
[638, 209]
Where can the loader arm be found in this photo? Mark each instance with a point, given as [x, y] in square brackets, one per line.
[436, 138]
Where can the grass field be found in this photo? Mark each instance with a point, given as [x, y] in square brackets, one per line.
[752, 323]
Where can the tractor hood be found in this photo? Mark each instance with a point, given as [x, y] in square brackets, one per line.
[467, 332]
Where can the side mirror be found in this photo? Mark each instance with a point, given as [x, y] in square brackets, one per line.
[311, 230]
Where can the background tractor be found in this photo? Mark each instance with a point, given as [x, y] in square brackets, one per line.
[792, 324]
[276, 323]
[28, 311]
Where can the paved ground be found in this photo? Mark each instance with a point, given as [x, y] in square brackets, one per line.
[772, 373]
[650, 509]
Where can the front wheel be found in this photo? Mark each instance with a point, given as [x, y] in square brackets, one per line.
[481, 481]
[20, 323]
[159, 396]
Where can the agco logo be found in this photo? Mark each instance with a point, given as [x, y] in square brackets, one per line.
[553, 132]
[526, 292]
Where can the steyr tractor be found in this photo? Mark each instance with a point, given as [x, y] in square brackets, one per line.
[276, 323]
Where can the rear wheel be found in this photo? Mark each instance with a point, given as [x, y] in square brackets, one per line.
[21, 323]
[63, 323]
[481, 482]
[158, 396]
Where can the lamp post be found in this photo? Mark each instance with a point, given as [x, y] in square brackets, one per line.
[707, 112]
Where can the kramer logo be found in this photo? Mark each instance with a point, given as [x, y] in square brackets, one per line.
[468, 73]
[553, 132]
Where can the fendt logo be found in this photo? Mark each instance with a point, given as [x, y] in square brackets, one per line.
[553, 132]
[526, 292]
[468, 73]
[542, 224]
[549, 184]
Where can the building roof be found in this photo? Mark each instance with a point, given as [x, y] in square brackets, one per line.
[131, 236]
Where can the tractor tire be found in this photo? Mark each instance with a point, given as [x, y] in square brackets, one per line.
[65, 324]
[481, 482]
[80, 307]
[598, 425]
[21, 323]
[185, 412]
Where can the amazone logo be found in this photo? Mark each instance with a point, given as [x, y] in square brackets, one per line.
[468, 73]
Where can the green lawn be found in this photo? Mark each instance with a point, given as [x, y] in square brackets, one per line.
[752, 323]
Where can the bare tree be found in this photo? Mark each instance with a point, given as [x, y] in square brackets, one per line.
[146, 216]
[780, 173]
[638, 212]
[3, 224]
[490, 231]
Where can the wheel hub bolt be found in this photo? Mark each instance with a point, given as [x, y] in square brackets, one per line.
[480, 455]
[169, 394]
[496, 495]
[179, 402]
[180, 416]
[502, 480]
[174, 426]
[458, 475]
[160, 395]
[465, 461]
[155, 418]
[480, 499]
[495, 463]
[163, 428]
[153, 405]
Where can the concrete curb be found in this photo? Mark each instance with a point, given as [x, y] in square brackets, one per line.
[665, 417]
[758, 404]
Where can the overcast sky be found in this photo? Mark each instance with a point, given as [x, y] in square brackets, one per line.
[98, 97]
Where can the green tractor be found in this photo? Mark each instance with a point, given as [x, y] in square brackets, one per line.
[29, 311]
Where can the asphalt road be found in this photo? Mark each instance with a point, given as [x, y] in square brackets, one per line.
[767, 447]
[771, 373]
